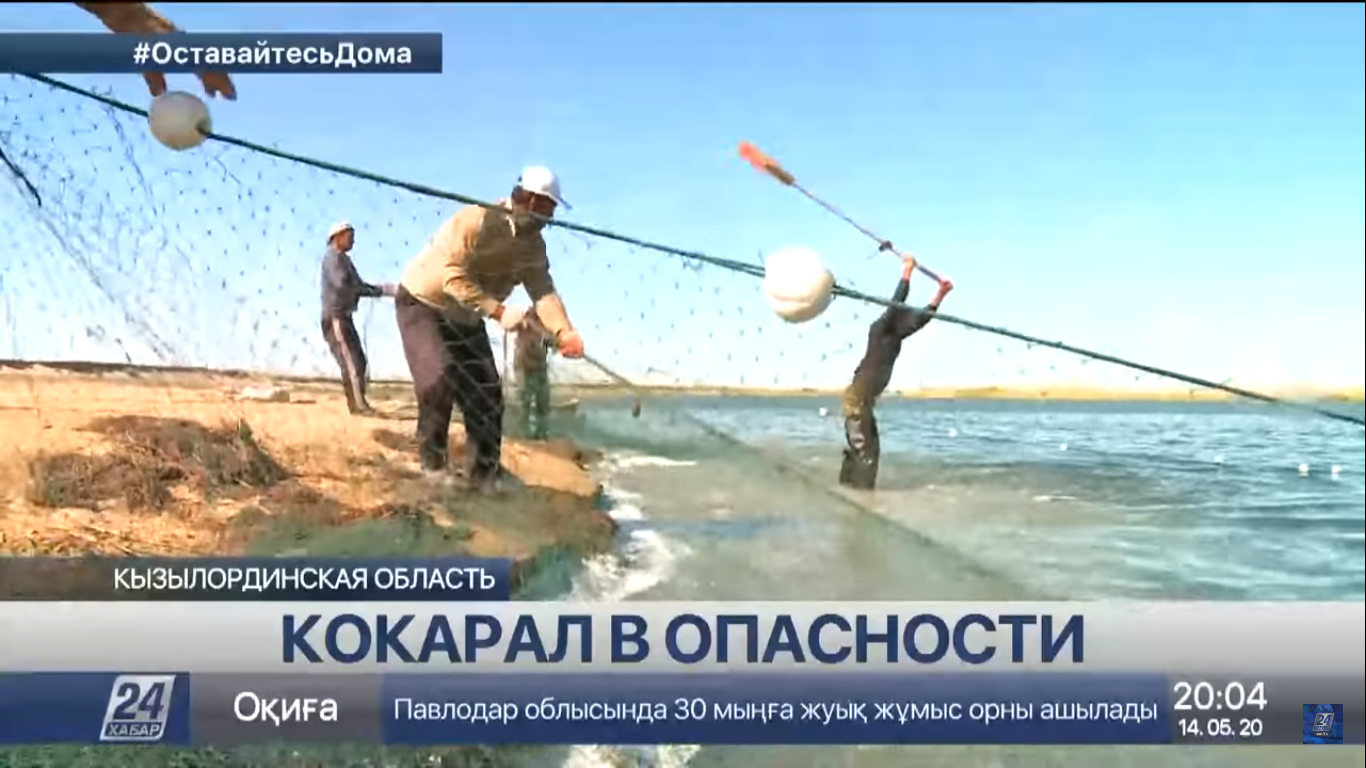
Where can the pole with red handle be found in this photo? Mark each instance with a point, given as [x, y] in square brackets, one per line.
[765, 164]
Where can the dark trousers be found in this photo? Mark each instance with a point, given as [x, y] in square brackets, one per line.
[862, 448]
[342, 339]
[452, 365]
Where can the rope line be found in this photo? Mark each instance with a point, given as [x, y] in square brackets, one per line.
[21, 177]
[728, 264]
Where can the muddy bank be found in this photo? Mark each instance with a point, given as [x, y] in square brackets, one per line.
[178, 464]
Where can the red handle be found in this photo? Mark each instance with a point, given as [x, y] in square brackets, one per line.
[765, 164]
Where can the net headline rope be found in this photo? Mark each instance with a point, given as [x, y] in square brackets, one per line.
[728, 264]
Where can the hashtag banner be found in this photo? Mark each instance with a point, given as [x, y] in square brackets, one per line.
[242, 52]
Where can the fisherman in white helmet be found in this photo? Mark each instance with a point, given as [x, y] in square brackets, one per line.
[460, 279]
[342, 290]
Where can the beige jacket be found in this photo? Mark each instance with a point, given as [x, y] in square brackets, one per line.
[473, 263]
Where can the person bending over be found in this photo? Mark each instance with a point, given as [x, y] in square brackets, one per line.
[460, 279]
[874, 372]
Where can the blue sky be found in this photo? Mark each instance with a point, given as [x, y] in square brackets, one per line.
[1178, 184]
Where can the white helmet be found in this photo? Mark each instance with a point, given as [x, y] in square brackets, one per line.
[541, 181]
[338, 228]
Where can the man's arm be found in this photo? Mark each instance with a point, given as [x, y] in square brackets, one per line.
[550, 308]
[553, 318]
[140, 19]
[903, 289]
[540, 286]
[459, 283]
[129, 18]
[364, 289]
[913, 320]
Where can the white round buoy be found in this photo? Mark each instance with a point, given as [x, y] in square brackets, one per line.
[953, 432]
[798, 286]
[1218, 459]
[179, 120]
[824, 412]
[1304, 470]
[1062, 447]
[1336, 471]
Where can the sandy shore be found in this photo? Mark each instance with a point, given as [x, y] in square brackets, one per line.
[177, 464]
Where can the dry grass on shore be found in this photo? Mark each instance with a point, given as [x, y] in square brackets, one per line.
[176, 465]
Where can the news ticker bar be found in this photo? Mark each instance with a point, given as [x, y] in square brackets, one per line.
[424, 710]
[254, 579]
[1271, 639]
[95, 53]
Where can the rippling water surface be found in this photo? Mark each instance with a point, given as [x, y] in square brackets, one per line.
[734, 498]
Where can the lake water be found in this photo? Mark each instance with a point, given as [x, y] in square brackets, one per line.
[734, 498]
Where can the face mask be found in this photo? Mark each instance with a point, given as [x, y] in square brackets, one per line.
[529, 221]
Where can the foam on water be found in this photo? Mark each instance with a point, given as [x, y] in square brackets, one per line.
[631, 462]
[644, 559]
[666, 756]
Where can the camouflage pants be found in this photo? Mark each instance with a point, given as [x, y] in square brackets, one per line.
[534, 393]
[863, 448]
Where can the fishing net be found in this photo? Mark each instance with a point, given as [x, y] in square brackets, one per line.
[120, 251]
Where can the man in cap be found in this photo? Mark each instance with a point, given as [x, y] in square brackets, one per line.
[140, 19]
[342, 290]
[461, 277]
[873, 374]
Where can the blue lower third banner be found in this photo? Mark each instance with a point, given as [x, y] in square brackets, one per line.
[92, 708]
[821, 708]
[228, 710]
